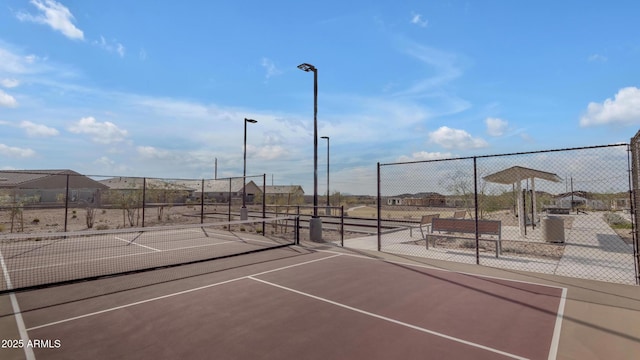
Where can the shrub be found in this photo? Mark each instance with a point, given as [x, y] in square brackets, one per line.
[617, 221]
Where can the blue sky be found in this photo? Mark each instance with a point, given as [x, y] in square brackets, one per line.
[161, 88]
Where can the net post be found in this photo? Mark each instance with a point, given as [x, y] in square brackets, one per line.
[202, 202]
[230, 199]
[297, 230]
[342, 225]
[144, 197]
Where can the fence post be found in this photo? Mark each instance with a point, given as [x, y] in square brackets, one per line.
[379, 206]
[66, 204]
[475, 206]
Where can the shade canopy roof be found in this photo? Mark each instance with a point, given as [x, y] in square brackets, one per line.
[515, 174]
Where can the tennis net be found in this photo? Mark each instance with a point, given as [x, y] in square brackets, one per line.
[36, 260]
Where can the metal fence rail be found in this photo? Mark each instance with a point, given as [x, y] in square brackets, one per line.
[566, 212]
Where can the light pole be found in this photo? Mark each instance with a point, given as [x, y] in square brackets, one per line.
[315, 224]
[328, 210]
[244, 213]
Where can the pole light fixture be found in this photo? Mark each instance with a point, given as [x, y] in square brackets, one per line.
[244, 213]
[315, 226]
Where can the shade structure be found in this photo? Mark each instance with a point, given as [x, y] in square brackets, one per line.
[514, 176]
[519, 173]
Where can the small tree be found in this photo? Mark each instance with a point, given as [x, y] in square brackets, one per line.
[164, 194]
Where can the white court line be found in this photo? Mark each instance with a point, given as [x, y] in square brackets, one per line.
[173, 294]
[553, 350]
[555, 341]
[135, 243]
[28, 351]
[394, 321]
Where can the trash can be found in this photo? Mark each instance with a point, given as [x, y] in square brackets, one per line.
[552, 229]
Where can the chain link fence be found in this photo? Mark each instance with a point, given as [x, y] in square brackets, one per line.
[566, 212]
[59, 201]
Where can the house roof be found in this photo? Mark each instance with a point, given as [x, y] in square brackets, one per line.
[216, 185]
[130, 183]
[518, 173]
[283, 189]
[12, 178]
[45, 179]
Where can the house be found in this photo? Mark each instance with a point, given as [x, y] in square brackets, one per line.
[284, 194]
[394, 201]
[430, 199]
[155, 190]
[220, 190]
[49, 187]
[579, 199]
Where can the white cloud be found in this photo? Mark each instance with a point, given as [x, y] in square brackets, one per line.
[597, 58]
[151, 152]
[417, 19]
[7, 100]
[495, 126]
[9, 83]
[270, 67]
[102, 133]
[624, 109]
[455, 139]
[269, 152]
[425, 155]
[111, 46]
[446, 68]
[15, 151]
[56, 15]
[36, 130]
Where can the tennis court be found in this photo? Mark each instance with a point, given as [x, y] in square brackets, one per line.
[314, 301]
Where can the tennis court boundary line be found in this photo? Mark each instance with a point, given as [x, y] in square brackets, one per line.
[391, 320]
[175, 294]
[22, 331]
[555, 340]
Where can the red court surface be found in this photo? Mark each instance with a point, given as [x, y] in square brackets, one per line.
[295, 303]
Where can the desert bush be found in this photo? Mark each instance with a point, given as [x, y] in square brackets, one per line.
[617, 221]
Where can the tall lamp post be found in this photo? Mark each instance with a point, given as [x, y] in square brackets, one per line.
[328, 210]
[244, 213]
[315, 224]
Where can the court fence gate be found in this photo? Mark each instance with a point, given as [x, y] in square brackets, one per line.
[569, 212]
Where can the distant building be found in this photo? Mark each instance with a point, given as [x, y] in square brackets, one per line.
[579, 199]
[284, 194]
[429, 199]
[49, 188]
[155, 190]
[221, 190]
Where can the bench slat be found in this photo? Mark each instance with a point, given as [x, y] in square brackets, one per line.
[468, 226]
[488, 227]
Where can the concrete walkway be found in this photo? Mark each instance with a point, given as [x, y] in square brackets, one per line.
[592, 251]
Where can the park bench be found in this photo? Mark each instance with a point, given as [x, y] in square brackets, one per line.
[452, 227]
[425, 222]
[460, 214]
